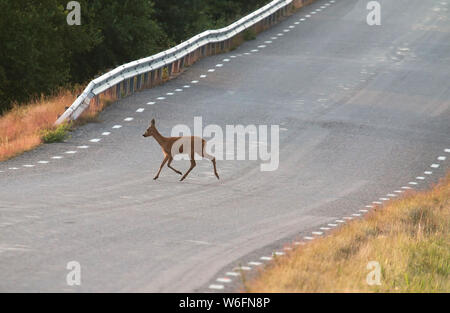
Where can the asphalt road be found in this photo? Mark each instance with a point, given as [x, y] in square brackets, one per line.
[363, 111]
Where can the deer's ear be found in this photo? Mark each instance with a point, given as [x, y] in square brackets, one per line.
[153, 122]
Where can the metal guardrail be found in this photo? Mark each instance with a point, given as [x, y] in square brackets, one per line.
[145, 72]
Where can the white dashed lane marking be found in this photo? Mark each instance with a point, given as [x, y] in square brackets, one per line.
[70, 152]
[232, 274]
[140, 110]
[242, 268]
[128, 119]
[117, 126]
[95, 140]
[214, 286]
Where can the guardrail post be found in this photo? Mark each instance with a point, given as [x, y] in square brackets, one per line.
[117, 91]
[159, 76]
[145, 80]
[125, 87]
[131, 85]
[152, 78]
[138, 82]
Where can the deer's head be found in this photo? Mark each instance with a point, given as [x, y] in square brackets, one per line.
[150, 130]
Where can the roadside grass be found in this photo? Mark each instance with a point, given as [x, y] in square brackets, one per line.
[409, 238]
[56, 134]
[25, 127]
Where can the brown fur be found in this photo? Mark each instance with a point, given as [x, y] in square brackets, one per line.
[167, 145]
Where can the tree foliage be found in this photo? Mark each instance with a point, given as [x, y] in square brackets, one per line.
[40, 52]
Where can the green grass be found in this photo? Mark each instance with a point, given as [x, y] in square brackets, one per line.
[57, 134]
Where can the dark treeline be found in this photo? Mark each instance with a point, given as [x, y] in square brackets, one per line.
[40, 52]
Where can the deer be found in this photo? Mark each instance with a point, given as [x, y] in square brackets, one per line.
[172, 146]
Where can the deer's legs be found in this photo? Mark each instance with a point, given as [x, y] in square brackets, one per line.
[176, 171]
[190, 169]
[213, 160]
[215, 169]
[160, 168]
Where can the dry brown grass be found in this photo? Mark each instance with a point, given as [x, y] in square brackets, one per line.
[21, 128]
[410, 238]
